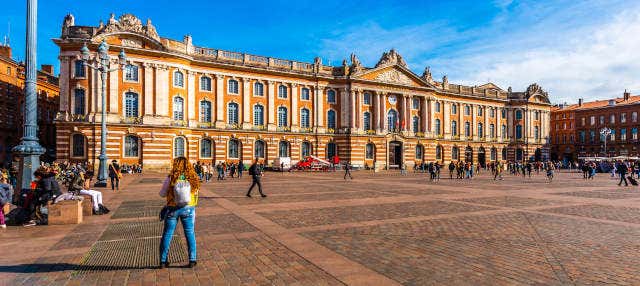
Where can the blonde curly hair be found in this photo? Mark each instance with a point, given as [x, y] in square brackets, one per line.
[181, 166]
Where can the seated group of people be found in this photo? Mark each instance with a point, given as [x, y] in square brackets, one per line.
[80, 185]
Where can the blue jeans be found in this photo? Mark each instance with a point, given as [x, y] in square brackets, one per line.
[188, 217]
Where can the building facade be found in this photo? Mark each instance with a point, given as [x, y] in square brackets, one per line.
[619, 115]
[176, 99]
[12, 96]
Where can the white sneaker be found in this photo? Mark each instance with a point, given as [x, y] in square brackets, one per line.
[3, 226]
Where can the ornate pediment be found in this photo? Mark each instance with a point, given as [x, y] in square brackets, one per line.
[535, 91]
[394, 75]
[129, 23]
[391, 58]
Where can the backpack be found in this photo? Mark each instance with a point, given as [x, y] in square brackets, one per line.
[182, 192]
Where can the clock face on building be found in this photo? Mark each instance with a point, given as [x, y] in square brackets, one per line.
[393, 99]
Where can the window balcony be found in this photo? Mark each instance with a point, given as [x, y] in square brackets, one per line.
[370, 132]
[179, 123]
[283, 129]
[131, 120]
[259, 127]
[305, 130]
[205, 125]
[420, 134]
[331, 131]
[79, 118]
[233, 126]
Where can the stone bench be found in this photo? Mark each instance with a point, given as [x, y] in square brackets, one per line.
[65, 212]
[87, 205]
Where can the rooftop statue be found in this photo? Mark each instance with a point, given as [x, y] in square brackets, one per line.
[391, 58]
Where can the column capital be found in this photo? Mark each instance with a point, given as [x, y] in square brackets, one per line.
[246, 79]
[218, 76]
[293, 84]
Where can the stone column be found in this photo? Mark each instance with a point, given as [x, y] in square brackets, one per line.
[376, 111]
[461, 120]
[474, 122]
[352, 109]
[246, 103]
[486, 123]
[271, 109]
[219, 101]
[162, 91]
[499, 123]
[384, 125]
[424, 116]
[64, 84]
[114, 96]
[359, 114]
[510, 123]
[148, 89]
[344, 109]
[191, 98]
[432, 115]
[446, 124]
[295, 113]
[319, 112]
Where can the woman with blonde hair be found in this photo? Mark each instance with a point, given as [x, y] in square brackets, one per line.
[182, 177]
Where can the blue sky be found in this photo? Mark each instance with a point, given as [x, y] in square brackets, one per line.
[572, 49]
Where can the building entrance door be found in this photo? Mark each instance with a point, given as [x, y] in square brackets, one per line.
[395, 154]
[468, 154]
[481, 157]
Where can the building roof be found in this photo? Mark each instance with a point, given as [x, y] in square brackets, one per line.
[619, 101]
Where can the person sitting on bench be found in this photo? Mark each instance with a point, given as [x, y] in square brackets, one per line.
[80, 185]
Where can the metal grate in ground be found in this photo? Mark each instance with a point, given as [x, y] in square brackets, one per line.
[134, 209]
[151, 181]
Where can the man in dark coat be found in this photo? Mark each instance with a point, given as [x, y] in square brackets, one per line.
[256, 175]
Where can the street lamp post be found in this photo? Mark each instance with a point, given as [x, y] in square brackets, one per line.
[605, 132]
[104, 67]
[29, 150]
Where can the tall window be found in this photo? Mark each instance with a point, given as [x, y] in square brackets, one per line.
[536, 132]
[306, 149]
[331, 119]
[131, 146]
[467, 129]
[79, 69]
[480, 130]
[366, 98]
[79, 101]
[232, 86]
[494, 154]
[258, 115]
[178, 79]
[634, 133]
[467, 110]
[131, 73]
[492, 112]
[258, 89]
[304, 118]
[518, 131]
[612, 119]
[437, 127]
[205, 148]
[582, 136]
[503, 113]
[332, 150]
[518, 114]
[623, 134]
[438, 152]
[178, 108]
[392, 120]
[416, 103]
[437, 106]
[232, 113]
[416, 124]
[419, 152]
[455, 153]
[304, 94]
[331, 96]
[78, 145]
[282, 91]
[205, 83]
[131, 104]
[592, 136]
[366, 118]
[454, 127]
[504, 153]
[178, 147]
[205, 111]
[234, 149]
[282, 116]
[283, 149]
[258, 149]
[503, 131]
[634, 116]
[369, 151]
[492, 130]
[480, 110]
[623, 117]
[454, 108]
[601, 120]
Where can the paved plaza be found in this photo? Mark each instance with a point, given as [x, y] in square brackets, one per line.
[379, 229]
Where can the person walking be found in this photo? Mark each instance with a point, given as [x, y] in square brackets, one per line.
[182, 178]
[452, 167]
[240, 169]
[6, 195]
[622, 171]
[347, 170]
[115, 175]
[256, 174]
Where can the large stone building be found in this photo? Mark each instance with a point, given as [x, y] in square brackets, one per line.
[12, 98]
[176, 99]
[576, 128]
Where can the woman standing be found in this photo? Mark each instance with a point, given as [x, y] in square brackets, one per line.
[181, 172]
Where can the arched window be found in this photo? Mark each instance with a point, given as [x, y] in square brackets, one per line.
[178, 147]
[437, 127]
[419, 152]
[306, 149]
[178, 79]
[205, 83]
[234, 149]
[206, 148]
[178, 108]
[131, 104]
[518, 131]
[438, 152]
[79, 100]
[494, 154]
[518, 114]
[258, 115]
[519, 154]
[304, 94]
[232, 86]
[258, 149]
[282, 116]
[366, 98]
[392, 120]
[455, 153]
[480, 130]
[79, 69]
[332, 150]
[282, 91]
[283, 149]
[366, 119]
[370, 151]
[205, 111]
[492, 112]
[416, 124]
[454, 108]
[492, 130]
[131, 146]
[78, 145]
[258, 89]
[131, 73]
[437, 106]
[232, 113]
[304, 118]
[331, 96]
[454, 127]
[467, 110]
[467, 129]
[504, 153]
[331, 119]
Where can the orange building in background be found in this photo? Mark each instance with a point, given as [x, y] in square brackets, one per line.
[178, 99]
[12, 106]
